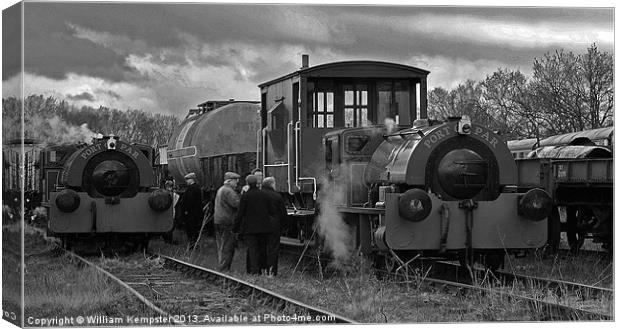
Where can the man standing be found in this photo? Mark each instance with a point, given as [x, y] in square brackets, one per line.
[258, 173]
[277, 216]
[169, 186]
[191, 208]
[259, 177]
[253, 222]
[226, 205]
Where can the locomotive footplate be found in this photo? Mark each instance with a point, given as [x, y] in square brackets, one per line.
[300, 212]
[299, 227]
[361, 210]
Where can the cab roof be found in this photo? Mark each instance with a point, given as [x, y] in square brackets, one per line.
[325, 69]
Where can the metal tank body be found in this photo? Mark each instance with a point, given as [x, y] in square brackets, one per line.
[209, 132]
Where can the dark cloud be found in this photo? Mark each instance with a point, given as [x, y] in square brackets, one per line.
[85, 96]
[52, 49]
[163, 52]
[11, 41]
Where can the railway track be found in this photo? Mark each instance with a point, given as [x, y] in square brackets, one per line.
[557, 287]
[180, 293]
[584, 300]
[523, 289]
[185, 293]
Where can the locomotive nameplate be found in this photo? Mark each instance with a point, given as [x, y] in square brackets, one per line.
[448, 131]
[411, 157]
[75, 165]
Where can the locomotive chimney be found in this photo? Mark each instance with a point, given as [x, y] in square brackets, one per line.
[305, 61]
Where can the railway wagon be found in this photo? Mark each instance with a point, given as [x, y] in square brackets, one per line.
[216, 137]
[576, 169]
[12, 172]
[333, 110]
[600, 137]
[580, 182]
[107, 195]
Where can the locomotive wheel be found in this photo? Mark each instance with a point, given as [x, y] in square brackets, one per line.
[553, 230]
[574, 235]
[493, 261]
[385, 265]
[389, 264]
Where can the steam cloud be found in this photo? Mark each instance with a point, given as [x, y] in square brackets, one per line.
[331, 225]
[390, 125]
[39, 213]
[55, 130]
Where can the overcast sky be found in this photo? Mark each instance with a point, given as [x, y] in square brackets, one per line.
[167, 58]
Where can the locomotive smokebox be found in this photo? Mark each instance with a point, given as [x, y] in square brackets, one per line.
[462, 173]
[110, 177]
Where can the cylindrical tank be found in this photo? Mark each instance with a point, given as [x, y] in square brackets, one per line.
[226, 130]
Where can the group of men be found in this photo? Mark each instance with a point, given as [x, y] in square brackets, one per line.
[254, 215]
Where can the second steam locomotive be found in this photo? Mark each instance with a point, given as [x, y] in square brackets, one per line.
[106, 191]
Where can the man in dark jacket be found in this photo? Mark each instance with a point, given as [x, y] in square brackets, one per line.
[191, 208]
[277, 216]
[254, 222]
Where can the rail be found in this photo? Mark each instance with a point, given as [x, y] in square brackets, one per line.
[557, 286]
[280, 301]
[81, 259]
[446, 273]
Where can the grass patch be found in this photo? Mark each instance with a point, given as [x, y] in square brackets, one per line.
[353, 290]
[58, 286]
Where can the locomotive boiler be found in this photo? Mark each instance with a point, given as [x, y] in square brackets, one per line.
[217, 137]
[108, 191]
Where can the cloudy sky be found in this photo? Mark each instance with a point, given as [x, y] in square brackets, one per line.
[167, 58]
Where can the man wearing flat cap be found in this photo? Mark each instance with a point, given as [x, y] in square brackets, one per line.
[226, 205]
[254, 222]
[191, 208]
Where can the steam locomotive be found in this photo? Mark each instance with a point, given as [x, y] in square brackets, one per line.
[104, 194]
[426, 187]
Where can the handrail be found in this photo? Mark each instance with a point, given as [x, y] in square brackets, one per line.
[297, 147]
[297, 143]
[313, 184]
[277, 165]
[288, 155]
[264, 150]
[258, 142]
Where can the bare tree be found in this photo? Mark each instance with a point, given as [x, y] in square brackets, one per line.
[507, 98]
[574, 92]
[598, 85]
